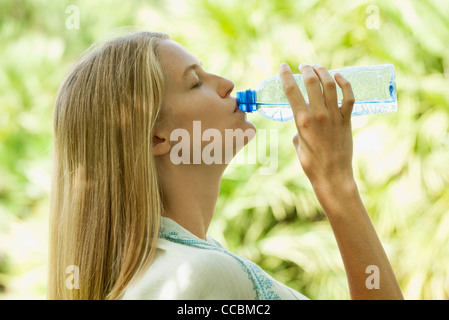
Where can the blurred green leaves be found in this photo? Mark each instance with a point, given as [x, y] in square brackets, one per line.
[400, 160]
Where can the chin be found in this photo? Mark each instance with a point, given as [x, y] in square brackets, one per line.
[250, 126]
[244, 124]
[248, 131]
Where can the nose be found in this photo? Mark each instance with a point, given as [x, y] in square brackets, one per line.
[226, 87]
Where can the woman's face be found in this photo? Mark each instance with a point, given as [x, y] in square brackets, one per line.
[192, 94]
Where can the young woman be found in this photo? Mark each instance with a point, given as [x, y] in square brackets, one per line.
[127, 221]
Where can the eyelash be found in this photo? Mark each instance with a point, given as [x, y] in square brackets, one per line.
[199, 84]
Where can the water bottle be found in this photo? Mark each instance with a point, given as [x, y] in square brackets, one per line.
[374, 89]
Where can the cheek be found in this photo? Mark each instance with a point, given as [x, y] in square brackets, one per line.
[206, 110]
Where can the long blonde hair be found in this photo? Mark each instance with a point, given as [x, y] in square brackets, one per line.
[105, 202]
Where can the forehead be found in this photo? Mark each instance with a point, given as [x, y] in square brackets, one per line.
[174, 59]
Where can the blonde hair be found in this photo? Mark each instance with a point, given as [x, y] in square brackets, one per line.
[105, 202]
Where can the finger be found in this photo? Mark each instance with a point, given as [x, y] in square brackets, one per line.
[296, 140]
[312, 83]
[347, 103]
[291, 89]
[329, 87]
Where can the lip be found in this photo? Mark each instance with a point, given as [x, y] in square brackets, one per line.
[237, 108]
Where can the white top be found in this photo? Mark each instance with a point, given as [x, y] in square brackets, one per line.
[186, 267]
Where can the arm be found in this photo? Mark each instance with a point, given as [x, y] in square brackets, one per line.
[358, 242]
[324, 147]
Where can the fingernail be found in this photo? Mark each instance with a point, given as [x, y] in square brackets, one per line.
[315, 66]
[284, 65]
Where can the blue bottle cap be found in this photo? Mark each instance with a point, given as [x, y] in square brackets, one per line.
[246, 100]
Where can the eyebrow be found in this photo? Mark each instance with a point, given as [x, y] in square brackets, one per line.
[191, 67]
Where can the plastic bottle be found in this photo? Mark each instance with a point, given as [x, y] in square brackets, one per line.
[374, 89]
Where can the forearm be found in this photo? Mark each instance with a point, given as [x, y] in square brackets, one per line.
[358, 243]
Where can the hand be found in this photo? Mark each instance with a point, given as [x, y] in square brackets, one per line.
[324, 139]
[324, 147]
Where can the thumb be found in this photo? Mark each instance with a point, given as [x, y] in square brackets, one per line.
[296, 140]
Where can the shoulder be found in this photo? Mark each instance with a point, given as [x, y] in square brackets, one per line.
[190, 273]
[219, 276]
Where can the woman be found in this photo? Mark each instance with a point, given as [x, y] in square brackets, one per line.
[133, 222]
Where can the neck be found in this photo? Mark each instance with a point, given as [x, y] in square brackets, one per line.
[190, 194]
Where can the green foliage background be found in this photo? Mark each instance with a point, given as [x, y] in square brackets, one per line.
[401, 160]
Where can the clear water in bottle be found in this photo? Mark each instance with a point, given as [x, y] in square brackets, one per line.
[374, 89]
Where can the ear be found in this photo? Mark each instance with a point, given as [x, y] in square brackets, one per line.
[161, 145]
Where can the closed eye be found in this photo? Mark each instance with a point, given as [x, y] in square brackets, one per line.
[199, 84]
